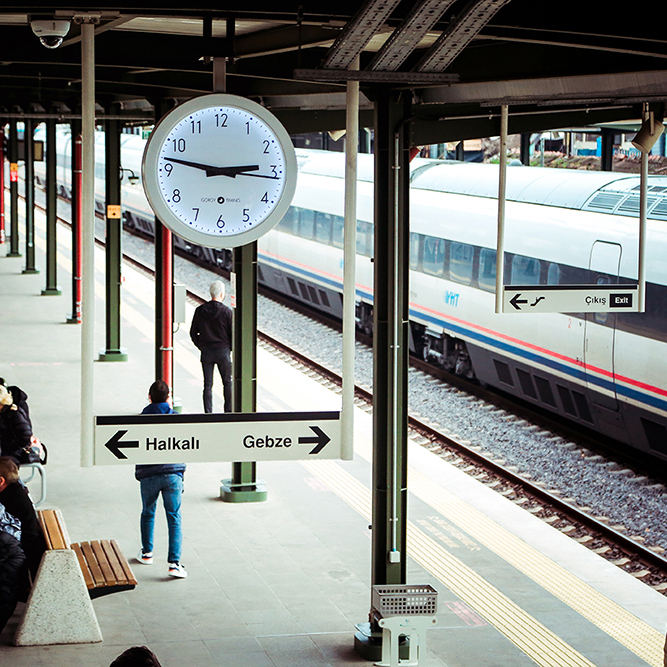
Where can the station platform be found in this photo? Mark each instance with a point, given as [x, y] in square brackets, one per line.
[282, 583]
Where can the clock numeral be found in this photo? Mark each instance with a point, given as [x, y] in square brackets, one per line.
[195, 126]
[221, 222]
[221, 120]
[178, 145]
[272, 167]
[265, 198]
[176, 196]
[247, 127]
[246, 217]
[169, 167]
[196, 210]
[266, 143]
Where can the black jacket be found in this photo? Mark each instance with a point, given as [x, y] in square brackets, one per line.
[212, 326]
[17, 502]
[15, 430]
[12, 559]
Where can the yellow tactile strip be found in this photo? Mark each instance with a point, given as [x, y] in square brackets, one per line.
[528, 634]
[638, 637]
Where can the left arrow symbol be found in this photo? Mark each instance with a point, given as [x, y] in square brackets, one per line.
[114, 445]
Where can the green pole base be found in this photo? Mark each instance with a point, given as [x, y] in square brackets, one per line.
[113, 355]
[72, 320]
[30, 271]
[368, 644]
[53, 291]
[242, 493]
[13, 254]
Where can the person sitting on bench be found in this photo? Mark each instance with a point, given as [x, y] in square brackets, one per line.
[14, 496]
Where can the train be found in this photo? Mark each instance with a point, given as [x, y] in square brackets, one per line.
[603, 371]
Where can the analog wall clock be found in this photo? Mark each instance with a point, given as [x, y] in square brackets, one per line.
[219, 170]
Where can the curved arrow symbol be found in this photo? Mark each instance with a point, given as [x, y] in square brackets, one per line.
[321, 438]
[114, 445]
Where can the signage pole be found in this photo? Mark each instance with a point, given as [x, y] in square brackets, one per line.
[502, 187]
[349, 262]
[88, 234]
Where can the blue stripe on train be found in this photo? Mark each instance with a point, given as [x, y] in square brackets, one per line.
[576, 374]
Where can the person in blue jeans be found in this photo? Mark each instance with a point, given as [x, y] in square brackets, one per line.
[165, 479]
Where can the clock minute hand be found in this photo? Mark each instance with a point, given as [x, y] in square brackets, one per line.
[215, 171]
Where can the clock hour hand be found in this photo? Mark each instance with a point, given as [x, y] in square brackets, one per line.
[210, 170]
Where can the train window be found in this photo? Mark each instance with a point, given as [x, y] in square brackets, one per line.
[553, 274]
[415, 248]
[338, 231]
[487, 269]
[460, 262]
[290, 221]
[601, 318]
[434, 256]
[364, 238]
[323, 227]
[307, 224]
[525, 270]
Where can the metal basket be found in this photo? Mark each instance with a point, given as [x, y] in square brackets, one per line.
[405, 600]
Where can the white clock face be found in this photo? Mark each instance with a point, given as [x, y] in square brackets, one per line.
[219, 170]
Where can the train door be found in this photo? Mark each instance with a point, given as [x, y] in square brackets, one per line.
[600, 331]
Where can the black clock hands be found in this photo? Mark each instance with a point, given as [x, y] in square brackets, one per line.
[231, 172]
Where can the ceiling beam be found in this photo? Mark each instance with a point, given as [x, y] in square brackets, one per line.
[404, 40]
[358, 31]
[459, 34]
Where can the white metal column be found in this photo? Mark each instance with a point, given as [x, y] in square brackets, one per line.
[88, 234]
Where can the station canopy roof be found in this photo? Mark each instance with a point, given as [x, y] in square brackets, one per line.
[555, 63]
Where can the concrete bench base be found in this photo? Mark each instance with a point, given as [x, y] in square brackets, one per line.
[59, 609]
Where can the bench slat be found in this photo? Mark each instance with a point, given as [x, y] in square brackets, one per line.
[91, 561]
[129, 575]
[87, 577]
[103, 562]
[115, 563]
[54, 533]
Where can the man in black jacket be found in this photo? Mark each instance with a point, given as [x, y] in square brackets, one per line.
[211, 332]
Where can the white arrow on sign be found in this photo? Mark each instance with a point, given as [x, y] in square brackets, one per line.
[274, 436]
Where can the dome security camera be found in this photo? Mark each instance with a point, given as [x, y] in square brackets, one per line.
[50, 32]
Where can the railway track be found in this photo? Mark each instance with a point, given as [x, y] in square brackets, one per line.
[595, 532]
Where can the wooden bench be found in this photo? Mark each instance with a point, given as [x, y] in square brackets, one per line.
[103, 565]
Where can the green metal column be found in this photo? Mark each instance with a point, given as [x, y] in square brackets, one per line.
[243, 487]
[390, 355]
[390, 341]
[114, 257]
[51, 212]
[29, 162]
[13, 154]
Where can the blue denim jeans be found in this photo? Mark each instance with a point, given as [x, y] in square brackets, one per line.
[171, 487]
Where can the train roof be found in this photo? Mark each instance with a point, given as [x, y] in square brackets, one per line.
[602, 192]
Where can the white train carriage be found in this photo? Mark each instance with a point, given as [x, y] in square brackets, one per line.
[605, 371]
[602, 370]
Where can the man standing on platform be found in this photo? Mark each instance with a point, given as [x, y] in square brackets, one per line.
[211, 332]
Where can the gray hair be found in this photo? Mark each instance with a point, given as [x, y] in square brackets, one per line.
[217, 290]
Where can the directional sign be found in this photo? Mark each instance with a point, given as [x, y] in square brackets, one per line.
[274, 436]
[569, 298]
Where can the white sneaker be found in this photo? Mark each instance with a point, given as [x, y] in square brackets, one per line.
[177, 570]
[146, 559]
